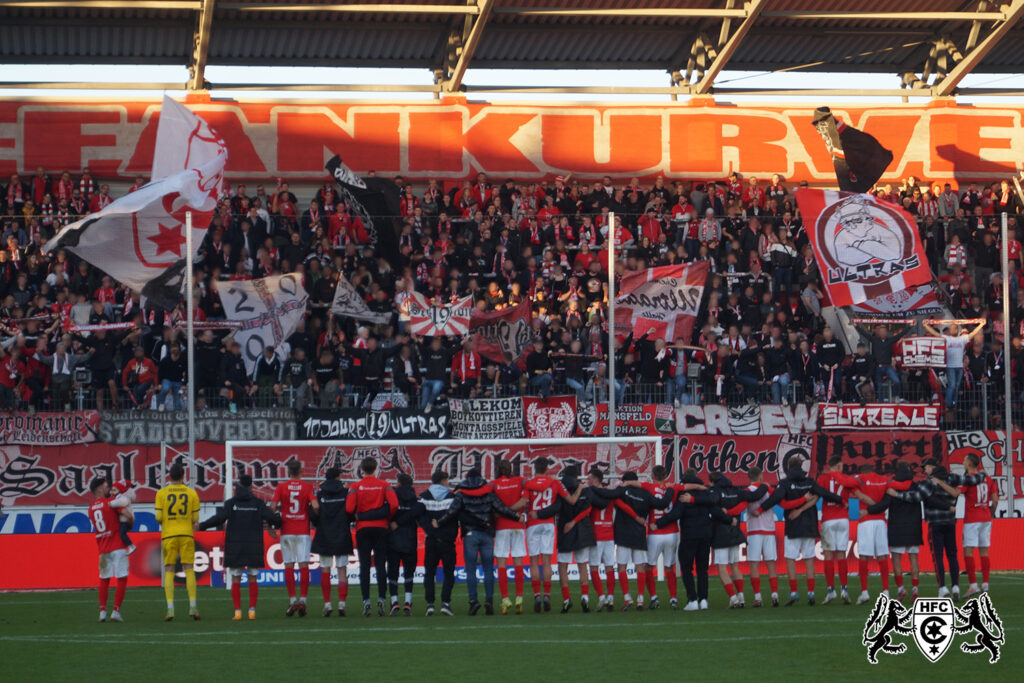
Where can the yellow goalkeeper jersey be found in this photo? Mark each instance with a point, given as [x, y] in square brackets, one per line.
[177, 509]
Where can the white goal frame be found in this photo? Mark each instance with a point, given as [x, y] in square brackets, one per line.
[229, 446]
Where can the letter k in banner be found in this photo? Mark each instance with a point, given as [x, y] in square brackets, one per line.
[666, 299]
[865, 247]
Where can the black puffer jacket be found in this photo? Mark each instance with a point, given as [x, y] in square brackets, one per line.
[333, 524]
[244, 516]
[475, 505]
[694, 518]
[724, 533]
[402, 538]
[905, 517]
[581, 535]
[796, 485]
[630, 533]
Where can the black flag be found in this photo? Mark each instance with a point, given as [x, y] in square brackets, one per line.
[859, 159]
[375, 200]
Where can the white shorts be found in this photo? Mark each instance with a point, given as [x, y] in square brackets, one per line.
[729, 555]
[835, 535]
[566, 558]
[295, 548]
[114, 565]
[630, 555]
[509, 542]
[905, 550]
[665, 546]
[872, 538]
[540, 539]
[978, 535]
[601, 554]
[797, 548]
[761, 548]
[328, 561]
[238, 571]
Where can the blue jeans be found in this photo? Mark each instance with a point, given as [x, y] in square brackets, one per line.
[953, 378]
[620, 391]
[675, 388]
[432, 388]
[780, 388]
[478, 543]
[172, 388]
[543, 382]
[782, 276]
[749, 385]
[577, 387]
[894, 377]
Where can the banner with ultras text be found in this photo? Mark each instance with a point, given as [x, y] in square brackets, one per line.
[453, 139]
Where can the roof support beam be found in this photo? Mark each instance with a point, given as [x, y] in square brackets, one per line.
[352, 9]
[752, 8]
[804, 15]
[102, 4]
[201, 47]
[454, 82]
[1013, 13]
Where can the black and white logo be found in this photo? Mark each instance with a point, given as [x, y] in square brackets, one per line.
[933, 626]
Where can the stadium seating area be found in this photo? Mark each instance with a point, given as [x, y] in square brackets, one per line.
[503, 243]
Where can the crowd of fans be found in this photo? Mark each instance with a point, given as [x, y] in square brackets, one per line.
[759, 337]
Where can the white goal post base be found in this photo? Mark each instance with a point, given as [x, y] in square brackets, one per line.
[266, 461]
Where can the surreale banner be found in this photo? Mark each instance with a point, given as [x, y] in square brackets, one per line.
[875, 416]
[453, 139]
[865, 246]
[923, 352]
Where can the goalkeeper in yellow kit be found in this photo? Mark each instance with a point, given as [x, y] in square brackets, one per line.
[177, 510]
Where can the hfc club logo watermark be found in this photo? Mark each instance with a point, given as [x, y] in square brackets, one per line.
[934, 623]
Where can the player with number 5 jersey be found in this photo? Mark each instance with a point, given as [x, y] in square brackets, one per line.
[177, 510]
[293, 499]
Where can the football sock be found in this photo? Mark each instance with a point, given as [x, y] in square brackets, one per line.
[503, 582]
[755, 583]
[190, 586]
[862, 574]
[547, 588]
[565, 592]
[985, 565]
[844, 572]
[535, 580]
[520, 578]
[289, 582]
[652, 581]
[104, 592]
[914, 581]
[610, 580]
[972, 576]
[773, 581]
[641, 584]
[624, 582]
[304, 578]
[236, 593]
[729, 590]
[898, 578]
[343, 591]
[792, 586]
[673, 587]
[584, 587]
[810, 583]
[122, 586]
[830, 569]
[883, 567]
[595, 578]
[739, 586]
[325, 584]
[254, 590]
[169, 587]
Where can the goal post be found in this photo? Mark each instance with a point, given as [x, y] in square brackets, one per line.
[266, 461]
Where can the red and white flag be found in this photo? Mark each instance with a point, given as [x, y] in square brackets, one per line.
[428, 320]
[866, 247]
[913, 301]
[139, 239]
[666, 298]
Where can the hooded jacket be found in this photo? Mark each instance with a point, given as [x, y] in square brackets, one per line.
[904, 523]
[732, 501]
[795, 486]
[632, 505]
[244, 515]
[402, 538]
[474, 507]
[435, 503]
[694, 518]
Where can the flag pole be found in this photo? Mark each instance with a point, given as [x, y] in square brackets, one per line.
[610, 241]
[1008, 421]
[190, 342]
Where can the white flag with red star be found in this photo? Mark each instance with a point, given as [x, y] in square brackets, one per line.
[139, 239]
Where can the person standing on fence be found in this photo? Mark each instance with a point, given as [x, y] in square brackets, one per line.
[882, 344]
[956, 342]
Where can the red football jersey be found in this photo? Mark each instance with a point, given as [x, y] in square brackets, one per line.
[294, 498]
[658, 490]
[977, 500]
[542, 491]
[873, 485]
[841, 485]
[602, 519]
[106, 525]
[509, 491]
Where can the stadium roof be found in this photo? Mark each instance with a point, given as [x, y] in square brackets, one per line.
[929, 44]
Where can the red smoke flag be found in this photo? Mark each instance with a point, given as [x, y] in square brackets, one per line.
[666, 298]
[866, 247]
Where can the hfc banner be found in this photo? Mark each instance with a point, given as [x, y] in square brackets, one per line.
[923, 352]
[665, 299]
[865, 247]
[439, 321]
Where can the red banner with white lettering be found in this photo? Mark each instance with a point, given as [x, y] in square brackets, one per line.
[922, 352]
[874, 416]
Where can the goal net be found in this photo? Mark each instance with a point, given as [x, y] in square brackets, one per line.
[266, 461]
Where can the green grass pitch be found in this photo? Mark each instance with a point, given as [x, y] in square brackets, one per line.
[56, 636]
